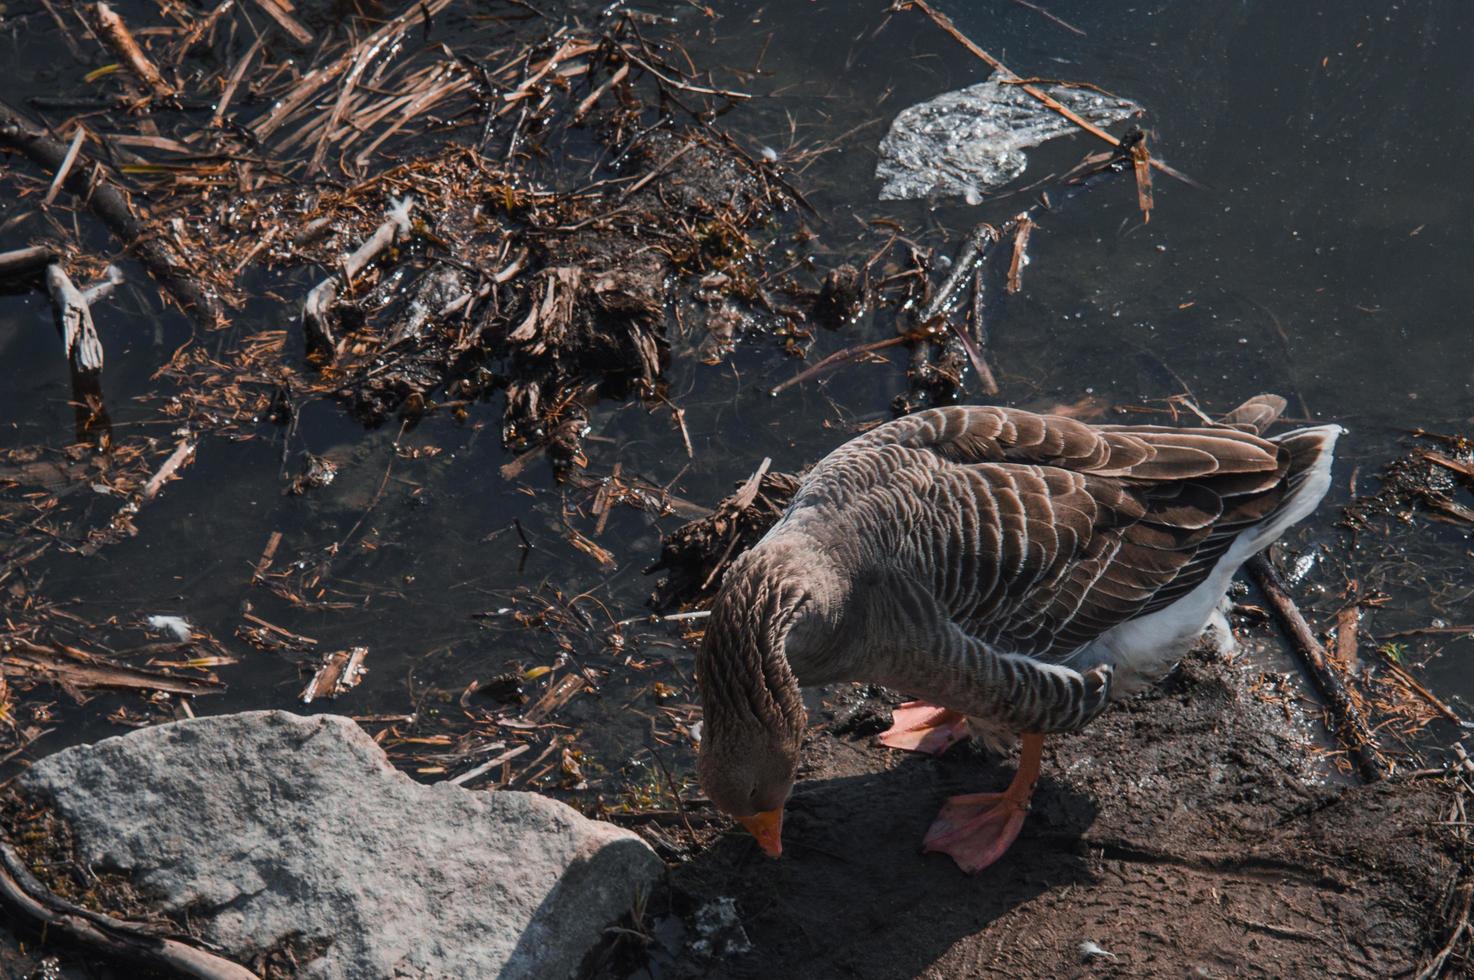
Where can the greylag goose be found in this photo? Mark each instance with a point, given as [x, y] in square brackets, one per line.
[1014, 571]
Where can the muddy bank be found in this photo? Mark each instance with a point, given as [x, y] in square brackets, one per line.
[1191, 831]
[1194, 830]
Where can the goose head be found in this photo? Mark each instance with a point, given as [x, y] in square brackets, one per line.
[753, 712]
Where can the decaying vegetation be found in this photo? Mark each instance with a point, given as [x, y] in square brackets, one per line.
[529, 216]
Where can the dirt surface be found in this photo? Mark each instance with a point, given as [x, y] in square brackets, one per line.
[1191, 831]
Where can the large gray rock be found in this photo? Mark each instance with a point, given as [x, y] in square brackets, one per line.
[266, 826]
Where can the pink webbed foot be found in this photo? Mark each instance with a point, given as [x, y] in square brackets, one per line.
[976, 829]
[921, 727]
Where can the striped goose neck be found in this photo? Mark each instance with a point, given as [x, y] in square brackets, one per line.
[744, 672]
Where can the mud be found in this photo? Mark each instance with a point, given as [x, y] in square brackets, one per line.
[1191, 831]
[1202, 828]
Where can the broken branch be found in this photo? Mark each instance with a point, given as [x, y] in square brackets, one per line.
[115, 211]
[1351, 728]
[29, 901]
[121, 40]
[74, 320]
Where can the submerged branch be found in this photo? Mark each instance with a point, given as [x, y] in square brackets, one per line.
[112, 206]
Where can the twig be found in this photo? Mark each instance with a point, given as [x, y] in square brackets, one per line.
[1435, 966]
[286, 21]
[836, 359]
[1058, 20]
[339, 672]
[74, 669]
[1022, 230]
[684, 86]
[318, 308]
[1350, 727]
[1141, 160]
[29, 901]
[267, 554]
[598, 93]
[236, 74]
[120, 39]
[318, 77]
[1049, 102]
[66, 165]
[674, 792]
[980, 336]
[176, 459]
[110, 205]
[485, 767]
[965, 268]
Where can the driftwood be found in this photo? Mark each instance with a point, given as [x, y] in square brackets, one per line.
[74, 320]
[318, 310]
[76, 670]
[339, 672]
[111, 205]
[27, 900]
[121, 40]
[176, 459]
[1350, 727]
[121, 525]
[25, 261]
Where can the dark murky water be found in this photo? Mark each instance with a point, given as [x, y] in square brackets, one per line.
[1332, 140]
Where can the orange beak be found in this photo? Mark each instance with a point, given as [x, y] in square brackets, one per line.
[768, 829]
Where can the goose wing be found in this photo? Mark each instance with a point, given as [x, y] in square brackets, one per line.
[1039, 533]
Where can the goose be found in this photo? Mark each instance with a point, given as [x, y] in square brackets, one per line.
[1014, 572]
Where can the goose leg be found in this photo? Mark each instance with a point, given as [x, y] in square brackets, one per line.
[922, 727]
[978, 828]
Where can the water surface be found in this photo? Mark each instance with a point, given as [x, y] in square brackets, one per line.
[1324, 257]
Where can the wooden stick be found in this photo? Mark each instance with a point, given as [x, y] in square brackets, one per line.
[339, 672]
[74, 320]
[176, 459]
[31, 902]
[73, 669]
[1350, 727]
[66, 165]
[837, 358]
[979, 337]
[1022, 230]
[113, 208]
[120, 39]
[318, 308]
[286, 21]
[24, 262]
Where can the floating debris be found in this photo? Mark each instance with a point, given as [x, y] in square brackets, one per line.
[339, 672]
[177, 625]
[971, 141]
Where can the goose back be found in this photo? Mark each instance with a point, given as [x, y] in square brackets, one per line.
[1038, 535]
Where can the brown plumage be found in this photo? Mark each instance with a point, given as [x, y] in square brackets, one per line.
[1020, 569]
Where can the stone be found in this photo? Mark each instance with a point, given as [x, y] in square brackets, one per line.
[268, 827]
